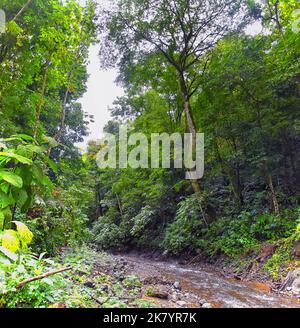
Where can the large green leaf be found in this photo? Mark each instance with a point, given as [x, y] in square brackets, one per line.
[29, 150]
[24, 137]
[52, 165]
[11, 178]
[20, 196]
[22, 159]
[19, 158]
[51, 141]
[26, 174]
[6, 199]
[40, 176]
[2, 220]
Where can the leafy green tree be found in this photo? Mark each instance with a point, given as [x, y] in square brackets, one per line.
[182, 32]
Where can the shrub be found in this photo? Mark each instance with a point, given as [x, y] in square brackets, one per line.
[229, 236]
[108, 235]
[183, 233]
[40, 293]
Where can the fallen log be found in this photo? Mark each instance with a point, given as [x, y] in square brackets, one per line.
[45, 275]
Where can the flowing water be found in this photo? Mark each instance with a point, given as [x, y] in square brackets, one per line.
[212, 286]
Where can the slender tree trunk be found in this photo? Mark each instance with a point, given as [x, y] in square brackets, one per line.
[64, 105]
[63, 115]
[119, 205]
[40, 104]
[277, 19]
[273, 193]
[22, 10]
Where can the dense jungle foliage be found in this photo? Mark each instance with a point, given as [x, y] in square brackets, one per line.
[182, 71]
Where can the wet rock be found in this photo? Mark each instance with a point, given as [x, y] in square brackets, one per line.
[177, 285]
[292, 282]
[201, 302]
[175, 297]
[89, 284]
[105, 288]
[102, 300]
[158, 294]
[181, 304]
[207, 306]
[121, 277]
[296, 286]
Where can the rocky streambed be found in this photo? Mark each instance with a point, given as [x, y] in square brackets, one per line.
[131, 280]
[169, 284]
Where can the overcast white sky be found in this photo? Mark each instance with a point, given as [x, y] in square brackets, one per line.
[102, 90]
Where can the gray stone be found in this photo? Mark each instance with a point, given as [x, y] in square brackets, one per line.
[102, 300]
[174, 297]
[177, 285]
[181, 303]
[295, 288]
[201, 301]
[207, 306]
[89, 284]
[292, 282]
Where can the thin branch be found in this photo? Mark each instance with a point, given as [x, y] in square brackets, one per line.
[22, 10]
[52, 273]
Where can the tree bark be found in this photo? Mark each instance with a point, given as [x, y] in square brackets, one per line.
[191, 127]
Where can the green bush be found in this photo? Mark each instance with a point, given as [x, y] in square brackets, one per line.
[229, 236]
[16, 268]
[184, 232]
[108, 235]
[232, 236]
[60, 220]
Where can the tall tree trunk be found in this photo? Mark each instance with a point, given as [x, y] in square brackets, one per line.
[191, 127]
[267, 171]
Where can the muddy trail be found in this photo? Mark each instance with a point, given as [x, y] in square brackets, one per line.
[202, 285]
